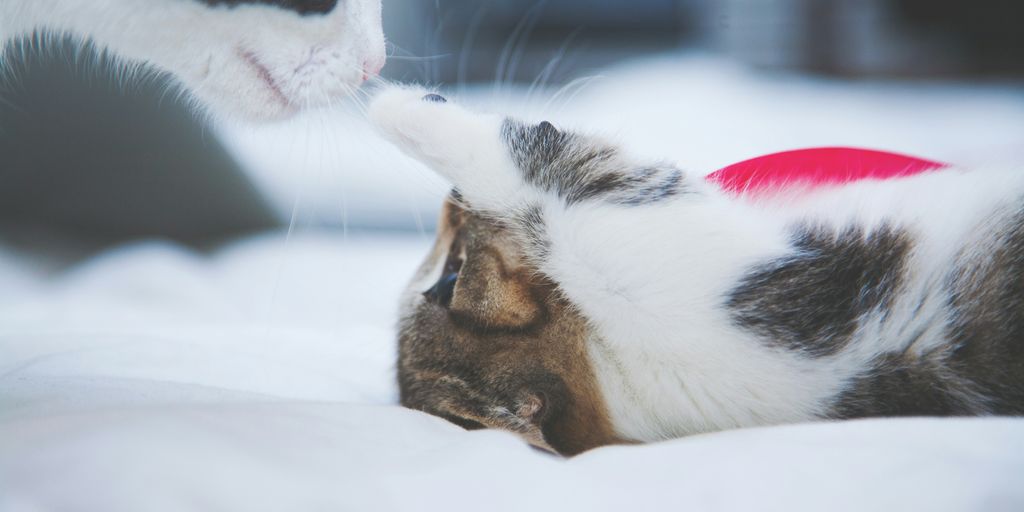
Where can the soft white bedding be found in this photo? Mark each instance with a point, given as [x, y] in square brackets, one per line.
[260, 377]
[152, 378]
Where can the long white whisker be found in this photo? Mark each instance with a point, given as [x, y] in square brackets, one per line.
[532, 17]
[573, 87]
[507, 59]
[421, 59]
[552, 65]
[467, 47]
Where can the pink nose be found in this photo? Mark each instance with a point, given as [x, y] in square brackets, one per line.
[372, 67]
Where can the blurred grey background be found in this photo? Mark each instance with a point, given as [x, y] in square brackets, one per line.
[85, 157]
[854, 38]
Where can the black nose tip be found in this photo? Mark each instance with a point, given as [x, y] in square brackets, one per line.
[435, 98]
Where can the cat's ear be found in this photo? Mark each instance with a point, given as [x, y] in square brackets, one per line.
[491, 295]
[545, 128]
[530, 413]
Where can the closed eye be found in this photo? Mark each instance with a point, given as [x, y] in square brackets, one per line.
[463, 422]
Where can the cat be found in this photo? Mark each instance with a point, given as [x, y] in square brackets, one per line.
[581, 297]
[255, 60]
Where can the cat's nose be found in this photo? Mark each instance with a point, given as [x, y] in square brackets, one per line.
[371, 68]
[435, 98]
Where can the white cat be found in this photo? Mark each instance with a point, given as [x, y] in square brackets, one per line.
[249, 59]
[581, 297]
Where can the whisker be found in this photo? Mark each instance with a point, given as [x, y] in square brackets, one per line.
[419, 59]
[578, 84]
[552, 65]
[533, 15]
[528, 21]
[392, 46]
[467, 45]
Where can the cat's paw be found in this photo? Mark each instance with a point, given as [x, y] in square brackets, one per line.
[410, 117]
[463, 146]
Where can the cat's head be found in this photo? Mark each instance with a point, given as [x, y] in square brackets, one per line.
[248, 59]
[487, 342]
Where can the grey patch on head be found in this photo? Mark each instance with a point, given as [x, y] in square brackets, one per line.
[665, 183]
[531, 222]
[577, 169]
[812, 300]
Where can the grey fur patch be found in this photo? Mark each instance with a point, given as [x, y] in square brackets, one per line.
[980, 367]
[987, 330]
[531, 222]
[660, 184]
[578, 169]
[902, 385]
[812, 300]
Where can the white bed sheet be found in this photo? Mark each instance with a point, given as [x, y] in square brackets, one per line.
[151, 378]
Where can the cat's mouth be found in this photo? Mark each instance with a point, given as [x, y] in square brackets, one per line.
[267, 78]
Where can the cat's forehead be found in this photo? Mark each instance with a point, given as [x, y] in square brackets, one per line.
[303, 7]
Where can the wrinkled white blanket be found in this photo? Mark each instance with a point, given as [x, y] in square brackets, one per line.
[152, 378]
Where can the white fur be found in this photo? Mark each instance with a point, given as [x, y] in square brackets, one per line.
[652, 279]
[253, 62]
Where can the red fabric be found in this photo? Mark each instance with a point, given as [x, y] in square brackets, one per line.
[817, 167]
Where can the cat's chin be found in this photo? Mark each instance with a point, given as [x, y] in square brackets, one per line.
[233, 110]
[253, 92]
[253, 88]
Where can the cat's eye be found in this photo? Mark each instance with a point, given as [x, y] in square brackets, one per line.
[464, 423]
[443, 291]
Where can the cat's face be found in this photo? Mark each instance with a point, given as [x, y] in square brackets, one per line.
[269, 59]
[247, 59]
[487, 342]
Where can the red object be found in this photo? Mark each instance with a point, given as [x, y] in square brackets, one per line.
[817, 167]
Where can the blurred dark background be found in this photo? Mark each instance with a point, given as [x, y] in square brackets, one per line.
[82, 154]
[516, 40]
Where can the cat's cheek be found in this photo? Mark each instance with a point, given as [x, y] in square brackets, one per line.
[239, 91]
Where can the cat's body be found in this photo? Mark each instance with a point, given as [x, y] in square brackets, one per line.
[583, 298]
[253, 59]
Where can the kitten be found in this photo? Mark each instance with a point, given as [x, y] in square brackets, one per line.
[580, 297]
[251, 59]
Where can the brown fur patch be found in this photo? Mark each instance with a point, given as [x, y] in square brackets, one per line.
[493, 296]
[510, 352]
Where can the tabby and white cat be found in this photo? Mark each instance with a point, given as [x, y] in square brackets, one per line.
[252, 59]
[580, 297]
